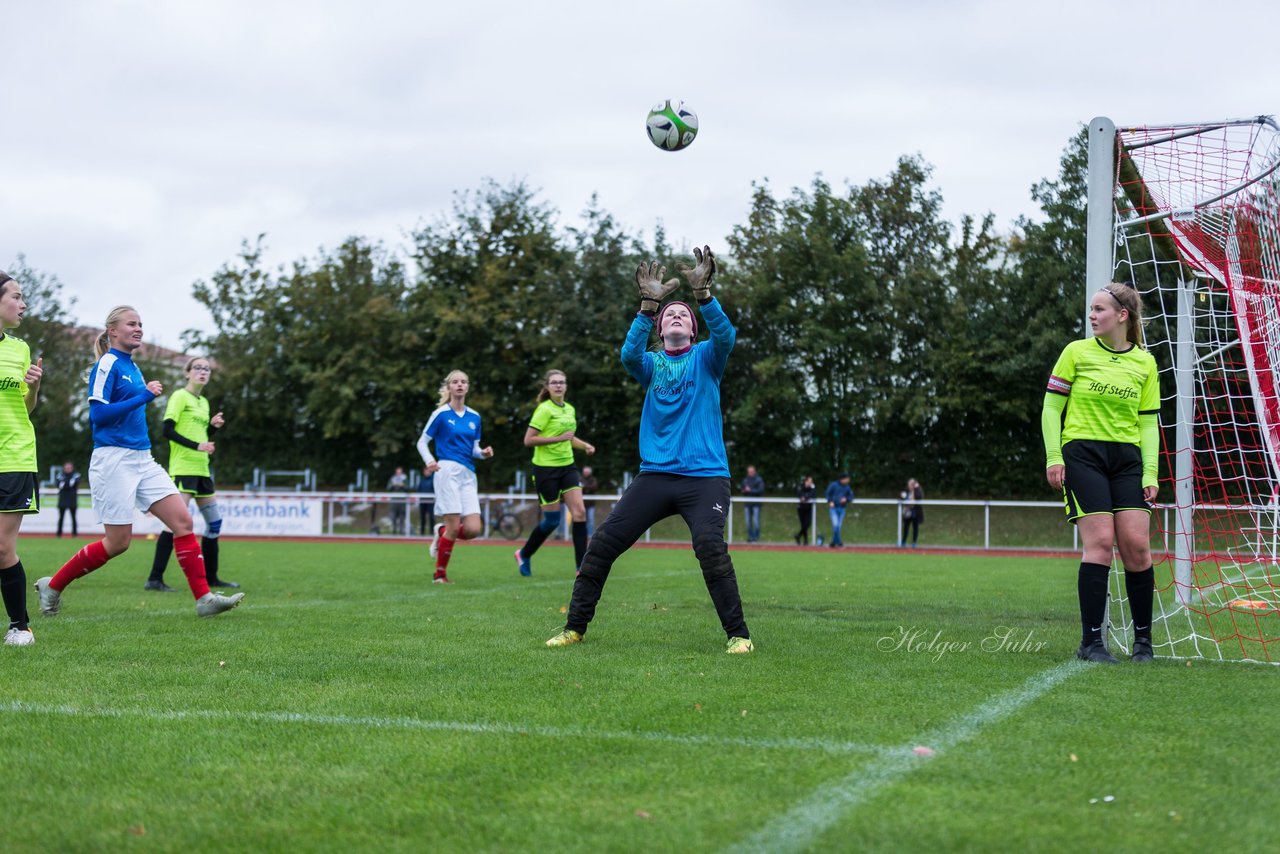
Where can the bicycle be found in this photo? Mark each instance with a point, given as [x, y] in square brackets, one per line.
[508, 522]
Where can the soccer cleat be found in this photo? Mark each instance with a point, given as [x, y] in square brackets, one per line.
[19, 637]
[218, 582]
[1095, 653]
[565, 638]
[1141, 651]
[212, 604]
[739, 646]
[158, 585]
[50, 599]
[435, 542]
[522, 564]
[440, 577]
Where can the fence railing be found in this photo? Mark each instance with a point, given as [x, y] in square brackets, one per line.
[868, 521]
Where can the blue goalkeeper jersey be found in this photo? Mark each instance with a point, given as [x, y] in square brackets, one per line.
[681, 431]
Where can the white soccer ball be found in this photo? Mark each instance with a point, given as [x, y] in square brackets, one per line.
[672, 125]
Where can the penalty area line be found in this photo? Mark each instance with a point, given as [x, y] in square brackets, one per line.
[20, 707]
[799, 827]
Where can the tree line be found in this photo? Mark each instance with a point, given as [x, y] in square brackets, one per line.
[874, 337]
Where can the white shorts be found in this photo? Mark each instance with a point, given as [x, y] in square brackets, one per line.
[121, 479]
[456, 490]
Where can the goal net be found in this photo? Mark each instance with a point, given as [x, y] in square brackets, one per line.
[1196, 228]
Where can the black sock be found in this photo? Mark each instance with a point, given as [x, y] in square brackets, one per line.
[536, 538]
[1092, 586]
[13, 587]
[209, 549]
[1141, 587]
[579, 542]
[164, 550]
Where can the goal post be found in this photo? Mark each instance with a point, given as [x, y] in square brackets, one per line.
[1189, 214]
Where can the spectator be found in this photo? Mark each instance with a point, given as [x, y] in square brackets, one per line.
[426, 503]
[839, 495]
[398, 482]
[912, 512]
[752, 485]
[808, 494]
[590, 486]
[68, 484]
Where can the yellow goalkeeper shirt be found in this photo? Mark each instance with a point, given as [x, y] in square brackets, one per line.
[1109, 395]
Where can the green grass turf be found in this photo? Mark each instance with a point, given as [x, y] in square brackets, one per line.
[352, 705]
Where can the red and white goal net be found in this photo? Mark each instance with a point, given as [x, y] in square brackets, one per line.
[1197, 230]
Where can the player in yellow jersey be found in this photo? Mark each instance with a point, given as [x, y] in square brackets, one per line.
[552, 435]
[1101, 435]
[19, 491]
[189, 429]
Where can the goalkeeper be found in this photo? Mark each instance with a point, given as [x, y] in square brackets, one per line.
[1102, 455]
[683, 466]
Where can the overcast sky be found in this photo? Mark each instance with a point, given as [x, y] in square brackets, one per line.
[143, 141]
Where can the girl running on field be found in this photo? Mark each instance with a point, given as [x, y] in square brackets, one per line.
[123, 476]
[552, 435]
[455, 429]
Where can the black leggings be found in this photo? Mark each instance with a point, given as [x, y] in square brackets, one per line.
[805, 512]
[703, 503]
[912, 525]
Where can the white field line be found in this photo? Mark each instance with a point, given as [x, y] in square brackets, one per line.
[416, 724]
[429, 592]
[799, 827]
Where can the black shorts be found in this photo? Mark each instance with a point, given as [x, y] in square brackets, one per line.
[551, 482]
[194, 484]
[1102, 477]
[19, 492]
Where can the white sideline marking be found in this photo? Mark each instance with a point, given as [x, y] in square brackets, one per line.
[799, 826]
[478, 728]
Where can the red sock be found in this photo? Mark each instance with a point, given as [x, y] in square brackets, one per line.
[444, 549]
[187, 549]
[81, 564]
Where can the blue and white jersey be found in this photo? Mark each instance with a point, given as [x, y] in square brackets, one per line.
[681, 430]
[118, 397]
[457, 436]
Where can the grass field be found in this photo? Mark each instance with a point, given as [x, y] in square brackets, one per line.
[351, 705]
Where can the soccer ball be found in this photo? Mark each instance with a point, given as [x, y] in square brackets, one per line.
[672, 125]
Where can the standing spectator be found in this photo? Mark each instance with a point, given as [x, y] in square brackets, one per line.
[68, 495]
[455, 429]
[808, 495]
[752, 485]
[912, 511]
[839, 495]
[124, 477]
[19, 491]
[590, 486]
[398, 482]
[683, 466]
[1101, 427]
[426, 502]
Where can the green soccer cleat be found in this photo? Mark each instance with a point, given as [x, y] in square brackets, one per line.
[565, 638]
[739, 646]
